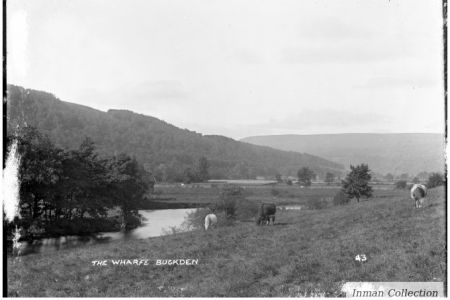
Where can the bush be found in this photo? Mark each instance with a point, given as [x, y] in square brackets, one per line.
[340, 198]
[132, 221]
[196, 219]
[402, 184]
[230, 206]
[435, 179]
[229, 197]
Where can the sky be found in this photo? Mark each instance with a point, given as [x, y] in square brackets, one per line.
[239, 67]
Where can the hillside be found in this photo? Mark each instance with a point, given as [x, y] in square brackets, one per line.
[385, 153]
[162, 148]
[307, 253]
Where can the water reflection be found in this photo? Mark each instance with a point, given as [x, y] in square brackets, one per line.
[155, 223]
[290, 207]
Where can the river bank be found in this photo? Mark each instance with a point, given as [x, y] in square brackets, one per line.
[307, 252]
[154, 223]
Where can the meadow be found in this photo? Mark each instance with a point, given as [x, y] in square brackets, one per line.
[201, 195]
[308, 252]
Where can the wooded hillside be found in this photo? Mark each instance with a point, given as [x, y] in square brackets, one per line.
[165, 150]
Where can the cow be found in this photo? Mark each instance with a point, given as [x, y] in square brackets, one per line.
[210, 221]
[266, 214]
[418, 194]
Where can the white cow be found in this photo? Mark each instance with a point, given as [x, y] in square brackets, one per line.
[418, 194]
[210, 221]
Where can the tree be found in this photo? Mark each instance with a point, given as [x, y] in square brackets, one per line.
[69, 192]
[128, 183]
[85, 181]
[404, 176]
[329, 178]
[278, 178]
[189, 176]
[161, 173]
[389, 177]
[240, 171]
[416, 180]
[435, 179]
[423, 176]
[401, 184]
[228, 200]
[305, 175]
[202, 169]
[40, 171]
[356, 183]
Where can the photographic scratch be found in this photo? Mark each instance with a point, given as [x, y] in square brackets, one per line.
[11, 183]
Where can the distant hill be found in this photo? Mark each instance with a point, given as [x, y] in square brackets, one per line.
[385, 153]
[161, 147]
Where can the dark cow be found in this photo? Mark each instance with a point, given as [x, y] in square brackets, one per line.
[266, 214]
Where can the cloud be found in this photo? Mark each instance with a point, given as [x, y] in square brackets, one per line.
[396, 83]
[331, 40]
[18, 31]
[333, 29]
[340, 53]
[305, 122]
[143, 95]
[246, 57]
[162, 89]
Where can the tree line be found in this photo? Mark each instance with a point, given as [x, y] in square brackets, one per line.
[71, 191]
[357, 182]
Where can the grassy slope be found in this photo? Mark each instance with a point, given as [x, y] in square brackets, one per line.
[307, 251]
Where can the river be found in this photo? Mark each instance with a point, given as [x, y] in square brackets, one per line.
[155, 223]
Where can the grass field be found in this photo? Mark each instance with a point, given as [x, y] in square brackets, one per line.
[198, 196]
[308, 252]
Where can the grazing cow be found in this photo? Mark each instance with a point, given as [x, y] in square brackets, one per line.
[266, 214]
[418, 194]
[210, 221]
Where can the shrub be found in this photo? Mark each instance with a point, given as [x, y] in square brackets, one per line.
[401, 184]
[196, 219]
[132, 221]
[229, 197]
[340, 198]
[230, 206]
[435, 179]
